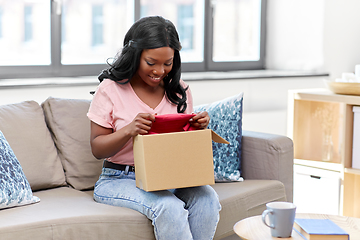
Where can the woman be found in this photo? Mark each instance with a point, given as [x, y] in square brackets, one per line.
[143, 81]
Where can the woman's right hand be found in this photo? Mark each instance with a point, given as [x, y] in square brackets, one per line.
[105, 143]
[141, 124]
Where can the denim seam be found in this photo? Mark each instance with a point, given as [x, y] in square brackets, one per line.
[130, 200]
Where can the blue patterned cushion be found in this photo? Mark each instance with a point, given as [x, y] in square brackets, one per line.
[14, 188]
[226, 120]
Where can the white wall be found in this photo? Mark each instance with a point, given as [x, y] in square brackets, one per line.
[295, 34]
[40, 94]
[313, 35]
[341, 36]
[268, 94]
[265, 100]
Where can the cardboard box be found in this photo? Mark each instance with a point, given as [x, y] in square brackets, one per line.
[175, 160]
[356, 138]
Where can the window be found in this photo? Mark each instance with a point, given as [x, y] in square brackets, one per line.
[42, 38]
[94, 31]
[24, 36]
[97, 25]
[237, 34]
[239, 31]
[28, 24]
[188, 17]
[1, 22]
[186, 26]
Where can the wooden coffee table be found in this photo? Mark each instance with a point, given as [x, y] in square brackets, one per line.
[253, 228]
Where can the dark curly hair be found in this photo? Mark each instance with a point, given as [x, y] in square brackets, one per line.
[149, 33]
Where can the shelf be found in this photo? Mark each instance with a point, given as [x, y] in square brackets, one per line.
[337, 167]
[314, 117]
[317, 131]
[318, 114]
[352, 171]
[323, 94]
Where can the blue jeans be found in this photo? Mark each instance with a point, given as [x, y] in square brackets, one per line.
[184, 214]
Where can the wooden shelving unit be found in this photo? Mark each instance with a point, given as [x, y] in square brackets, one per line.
[320, 123]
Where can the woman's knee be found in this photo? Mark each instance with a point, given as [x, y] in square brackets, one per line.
[209, 199]
[203, 195]
[171, 206]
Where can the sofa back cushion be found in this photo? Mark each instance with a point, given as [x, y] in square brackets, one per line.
[70, 128]
[24, 127]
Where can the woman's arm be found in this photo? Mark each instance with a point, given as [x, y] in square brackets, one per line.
[106, 143]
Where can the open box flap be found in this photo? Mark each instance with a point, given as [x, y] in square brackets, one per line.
[216, 138]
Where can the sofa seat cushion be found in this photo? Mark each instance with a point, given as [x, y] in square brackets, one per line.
[66, 213]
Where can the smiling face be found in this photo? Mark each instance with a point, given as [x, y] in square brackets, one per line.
[154, 65]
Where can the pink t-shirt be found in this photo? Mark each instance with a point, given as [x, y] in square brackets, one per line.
[115, 105]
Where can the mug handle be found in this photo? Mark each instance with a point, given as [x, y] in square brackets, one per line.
[266, 212]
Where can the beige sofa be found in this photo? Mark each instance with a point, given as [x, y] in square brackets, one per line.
[51, 142]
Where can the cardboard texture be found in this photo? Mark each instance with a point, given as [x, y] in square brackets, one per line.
[175, 160]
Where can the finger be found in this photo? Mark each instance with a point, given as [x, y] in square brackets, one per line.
[196, 117]
[202, 120]
[199, 126]
[143, 124]
[152, 117]
[142, 128]
[201, 115]
[142, 132]
[147, 116]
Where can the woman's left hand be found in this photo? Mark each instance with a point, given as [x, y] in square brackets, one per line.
[201, 120]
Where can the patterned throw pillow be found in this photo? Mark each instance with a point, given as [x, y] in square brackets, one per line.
[14, 188]
[226, 120]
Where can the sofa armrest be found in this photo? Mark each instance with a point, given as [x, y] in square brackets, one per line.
[268, 156]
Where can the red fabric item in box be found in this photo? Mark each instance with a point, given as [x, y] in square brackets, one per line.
[171, 123]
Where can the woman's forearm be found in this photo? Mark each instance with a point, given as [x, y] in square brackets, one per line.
[105, 143]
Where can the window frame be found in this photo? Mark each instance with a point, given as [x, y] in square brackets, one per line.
[238, 65]
[56, 69]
